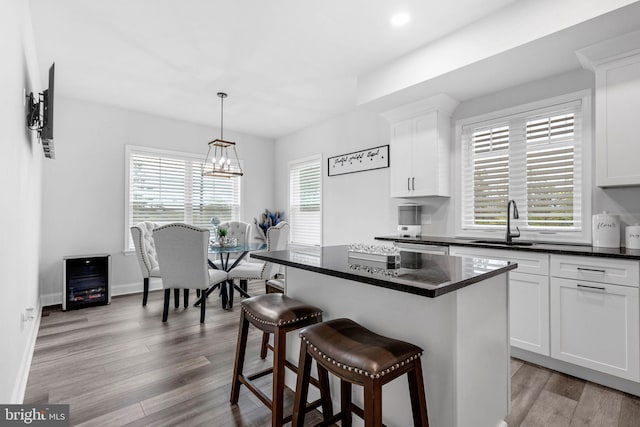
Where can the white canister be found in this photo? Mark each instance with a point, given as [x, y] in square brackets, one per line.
[632, 238]
[606, 230]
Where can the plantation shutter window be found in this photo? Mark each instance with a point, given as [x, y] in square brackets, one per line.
[534, 158]
[488, 190]
[551, 177]
[305, 201]
[166, 187]
[156, 188]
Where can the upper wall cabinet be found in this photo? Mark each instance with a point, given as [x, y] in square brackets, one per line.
[420, 147]
[616, 64]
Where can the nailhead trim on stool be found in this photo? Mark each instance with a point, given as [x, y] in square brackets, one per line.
[281, 322]
[360, 371]
[358, 356]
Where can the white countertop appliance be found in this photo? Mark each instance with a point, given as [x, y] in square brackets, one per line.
[409, 220]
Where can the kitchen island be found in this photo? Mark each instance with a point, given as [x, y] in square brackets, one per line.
[455, 308]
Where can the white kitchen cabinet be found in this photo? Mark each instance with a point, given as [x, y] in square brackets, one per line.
[593, 269]
[420, 147]
[616, 64]
[595, 325]
[528, 295]
[617, 105]
[529, 312]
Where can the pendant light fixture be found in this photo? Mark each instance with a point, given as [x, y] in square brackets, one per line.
[222, 158]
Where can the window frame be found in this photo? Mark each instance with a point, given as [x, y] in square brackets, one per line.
[586, 168]
[152, 151]
[315, 158]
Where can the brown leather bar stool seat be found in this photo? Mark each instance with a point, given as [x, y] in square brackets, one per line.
[358, 356]
[276, 314]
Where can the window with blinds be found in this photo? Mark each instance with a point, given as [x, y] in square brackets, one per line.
[305, 201]
[167, 187]
[534, 158]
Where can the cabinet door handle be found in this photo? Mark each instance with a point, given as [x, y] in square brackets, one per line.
[592, 270]
[409, 184]
[413, 183]
[599, 288]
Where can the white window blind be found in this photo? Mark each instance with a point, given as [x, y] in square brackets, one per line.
[167, 187]
[305, 201]
[534, 158]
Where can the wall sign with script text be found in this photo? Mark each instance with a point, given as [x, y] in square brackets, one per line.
[364, 160]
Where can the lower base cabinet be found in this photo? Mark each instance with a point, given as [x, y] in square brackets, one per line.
[528, 295]
[529, 312]
[596, 325]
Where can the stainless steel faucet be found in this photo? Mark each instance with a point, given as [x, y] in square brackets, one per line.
[511, 235]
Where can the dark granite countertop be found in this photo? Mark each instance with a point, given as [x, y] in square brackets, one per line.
[421, 274]
[546, 247]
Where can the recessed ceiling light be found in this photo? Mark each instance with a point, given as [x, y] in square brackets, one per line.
[400, 19]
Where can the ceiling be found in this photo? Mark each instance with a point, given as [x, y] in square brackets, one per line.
[286, 64]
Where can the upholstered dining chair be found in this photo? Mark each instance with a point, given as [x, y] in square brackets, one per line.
[235, 230]
[277, 239]
[142, 234]
[238, 230]
[183, 257]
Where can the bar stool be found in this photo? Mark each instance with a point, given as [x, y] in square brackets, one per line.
[358, 356]
[276, 314]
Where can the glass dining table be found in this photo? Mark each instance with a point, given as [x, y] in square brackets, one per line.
[228, 263]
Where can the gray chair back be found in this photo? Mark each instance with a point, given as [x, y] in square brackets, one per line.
[277, 240]
[239, 230]
[145, 248]
[182, 255]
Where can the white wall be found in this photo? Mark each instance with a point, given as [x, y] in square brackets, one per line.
[20, 173]
[84, 188]
[357, 206]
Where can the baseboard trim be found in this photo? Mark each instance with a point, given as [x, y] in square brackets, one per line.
[155, 284]
[17, 396]
[136, 287]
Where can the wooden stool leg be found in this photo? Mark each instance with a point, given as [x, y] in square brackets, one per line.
[263, 347]
[176, 297]
[186, 298]
[145, 291]
[302, 387]
[418, 399]
[372, 403]
[325, 392]
[165, 310]
[243, 332]
[279, 350]
[345, 403]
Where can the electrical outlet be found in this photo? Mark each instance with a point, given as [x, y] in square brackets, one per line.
[426, 219]
[29, 314]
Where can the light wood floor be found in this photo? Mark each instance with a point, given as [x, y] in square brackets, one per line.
[119, 365]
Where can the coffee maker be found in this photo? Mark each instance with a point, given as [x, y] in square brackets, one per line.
[409, 220]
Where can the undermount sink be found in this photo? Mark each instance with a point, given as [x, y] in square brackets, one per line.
[502, 242]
